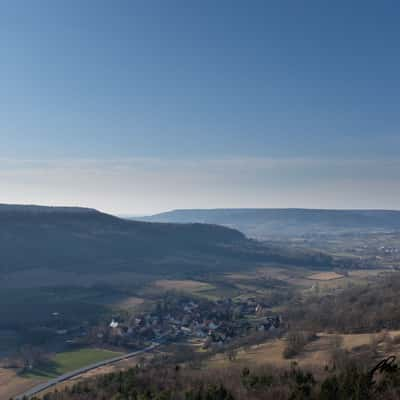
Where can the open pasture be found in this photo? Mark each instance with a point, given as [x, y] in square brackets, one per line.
[68, 361]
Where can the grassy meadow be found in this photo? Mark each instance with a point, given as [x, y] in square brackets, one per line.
[68, 361]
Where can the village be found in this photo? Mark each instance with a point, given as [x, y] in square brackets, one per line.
[174, 318]
[168, 318]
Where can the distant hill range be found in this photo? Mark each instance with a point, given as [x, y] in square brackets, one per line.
[266, 222]
[88, 241]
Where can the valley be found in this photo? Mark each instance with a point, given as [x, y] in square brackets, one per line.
[272, 302]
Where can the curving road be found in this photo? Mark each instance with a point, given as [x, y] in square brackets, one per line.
[62, 378]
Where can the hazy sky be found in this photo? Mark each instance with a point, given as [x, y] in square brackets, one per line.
[142, 106]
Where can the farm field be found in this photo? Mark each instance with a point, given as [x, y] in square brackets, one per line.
[68, 361]
[325, 276]
[301, 278]
[183, 285]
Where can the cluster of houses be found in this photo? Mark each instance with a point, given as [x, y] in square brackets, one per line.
[215, 323]
[388, 250]
[270, 323]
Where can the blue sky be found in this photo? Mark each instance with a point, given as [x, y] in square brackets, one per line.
[141, 106]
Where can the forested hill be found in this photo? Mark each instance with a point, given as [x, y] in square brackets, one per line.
[87, 240]
[262, 223]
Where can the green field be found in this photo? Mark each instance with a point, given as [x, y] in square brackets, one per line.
[68, 361]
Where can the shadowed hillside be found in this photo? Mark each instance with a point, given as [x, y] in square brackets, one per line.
[86, 240]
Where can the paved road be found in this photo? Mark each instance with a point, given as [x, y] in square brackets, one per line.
[62, 378]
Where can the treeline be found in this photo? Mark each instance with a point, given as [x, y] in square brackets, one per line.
[173, 383]
[368, 308]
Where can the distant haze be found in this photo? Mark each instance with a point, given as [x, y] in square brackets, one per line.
[144, 186]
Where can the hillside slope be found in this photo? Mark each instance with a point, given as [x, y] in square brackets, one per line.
[86, 240]
[262, 223]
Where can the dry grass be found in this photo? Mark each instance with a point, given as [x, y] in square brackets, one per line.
[316, 353]
[271, 352]
[355, 340]
[130, 303]
[11, 384]
[325, 276]
[183, 285]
